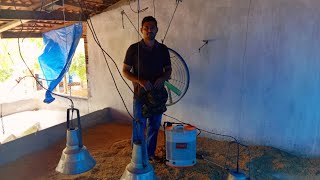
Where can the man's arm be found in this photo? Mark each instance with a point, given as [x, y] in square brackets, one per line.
[127, 74]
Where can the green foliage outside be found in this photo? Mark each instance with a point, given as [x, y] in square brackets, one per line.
[6, 70]
[6, 65]
[78, 66]
[31, 48]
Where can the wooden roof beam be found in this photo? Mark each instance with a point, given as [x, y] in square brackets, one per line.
[11, 25]
[15, 4]
[5, 35]
[39, 15]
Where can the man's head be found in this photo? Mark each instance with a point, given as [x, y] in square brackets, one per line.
[149, 28]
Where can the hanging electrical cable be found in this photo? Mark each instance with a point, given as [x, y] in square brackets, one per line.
[243, 77]
[154, 9]
[174, 12]
[66, 44]
[20, 53]
[3, 132]
[90, 25]
[243, 96]
[138, 11]
[233, 138]
[10, 57]
[123, 12]
[235, 141]
[138, 7]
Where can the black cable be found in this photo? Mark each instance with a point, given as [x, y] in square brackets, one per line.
[98, 43]
[243, 76]
[72, 105]
[10, 57]
[164, 159]
[170, 21]
[27, 35]
[213, 163]
[205, 43]
[122, 12]
[202, 129]
[131, 22]
[235, 141]
[250, 164]
[90, 25]
[243, 79]
[154, 9]
[2, 121]
[138, 9]
[131, 7]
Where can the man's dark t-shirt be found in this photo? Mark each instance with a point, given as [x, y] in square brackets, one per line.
[150, 65]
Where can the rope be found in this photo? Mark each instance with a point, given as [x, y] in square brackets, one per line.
[138, 7]
[131, 22]
[154, 9]
[243, 63]
[171, 21]
[2, 121]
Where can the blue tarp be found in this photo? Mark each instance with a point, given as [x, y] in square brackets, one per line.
[59, 49]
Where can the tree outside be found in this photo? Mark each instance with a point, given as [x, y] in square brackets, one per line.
[15, 78]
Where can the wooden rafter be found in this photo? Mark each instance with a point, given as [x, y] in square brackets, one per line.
[39, 15]
[11, 4]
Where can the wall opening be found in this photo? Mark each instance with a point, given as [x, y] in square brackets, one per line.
[20, 95]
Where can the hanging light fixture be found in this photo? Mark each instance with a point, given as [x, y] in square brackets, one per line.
[236, 174]
[75, 158]
[139, 168]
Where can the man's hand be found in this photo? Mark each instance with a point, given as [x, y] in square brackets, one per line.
[159, 83]
[145, 84]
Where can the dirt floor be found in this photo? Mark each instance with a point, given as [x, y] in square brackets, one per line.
[110, 145]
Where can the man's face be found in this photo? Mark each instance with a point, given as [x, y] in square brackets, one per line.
[149, 30]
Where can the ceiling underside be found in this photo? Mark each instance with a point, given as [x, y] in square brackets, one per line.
[31, 18]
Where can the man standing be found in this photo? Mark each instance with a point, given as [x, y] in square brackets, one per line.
[147, 64]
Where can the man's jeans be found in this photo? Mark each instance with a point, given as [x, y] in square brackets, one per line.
[139, 126]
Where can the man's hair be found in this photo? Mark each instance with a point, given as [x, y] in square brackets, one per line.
[149, 19]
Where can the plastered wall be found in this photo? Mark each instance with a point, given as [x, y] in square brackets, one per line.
[257, 78]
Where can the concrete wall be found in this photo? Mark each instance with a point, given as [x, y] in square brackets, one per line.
[18, 106]
[43, 139]
[63, 104]
[257, 79]
[36, 103]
